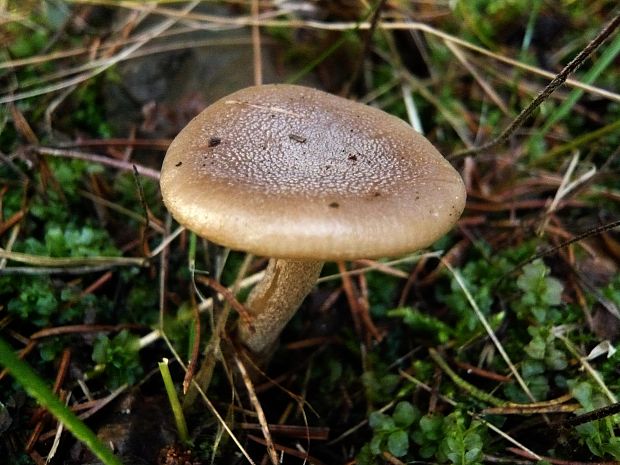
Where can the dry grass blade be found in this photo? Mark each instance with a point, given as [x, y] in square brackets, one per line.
[66, 262]
[567, 185]
[144, 38]
[527, 410]
[262, 419]
[589, 369]
[79, 329]
[228, 295]
[317, 433]
[379, 266]
[92, 157]
[241, 21]
[489, 330]
[486, 87]
[256, 44]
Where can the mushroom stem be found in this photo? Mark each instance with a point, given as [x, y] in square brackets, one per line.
[274, 301]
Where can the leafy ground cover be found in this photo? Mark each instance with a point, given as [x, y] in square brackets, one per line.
[497, 345]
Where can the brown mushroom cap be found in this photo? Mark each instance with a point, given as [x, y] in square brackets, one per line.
[292, 172]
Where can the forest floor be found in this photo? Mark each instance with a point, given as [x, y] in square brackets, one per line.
[495, 345]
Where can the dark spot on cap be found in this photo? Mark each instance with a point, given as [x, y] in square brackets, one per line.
[352, 157]
[215, 141]
[376, 194]
[296, 138]
[179, 163]
[334, 205]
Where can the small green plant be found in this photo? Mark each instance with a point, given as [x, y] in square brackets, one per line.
[462, 443]
[35, 299]
[423, 324]
[380, 385]
[599, 435]
[541, 294]
[390, 432]
[71, 241]
[118, 357]
[447, 439]
[429, 434]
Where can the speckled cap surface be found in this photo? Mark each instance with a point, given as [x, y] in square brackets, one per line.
[292, 172]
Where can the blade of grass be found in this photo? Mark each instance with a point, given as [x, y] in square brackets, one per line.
[173, 398]
[576, 142]
[38, 389]
[483, 320]
[209, 404]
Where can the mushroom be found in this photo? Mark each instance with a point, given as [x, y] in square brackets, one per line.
[303, 177]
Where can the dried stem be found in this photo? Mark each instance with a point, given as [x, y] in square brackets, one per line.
[559, 79]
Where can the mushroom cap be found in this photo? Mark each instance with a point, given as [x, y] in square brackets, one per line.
[292, 172]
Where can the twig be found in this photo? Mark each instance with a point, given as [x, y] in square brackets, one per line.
[61, 262]
[548, 90]
[256, 45]
[81, 329]
[317, 433]
[145, 209]
[92, 157]
[288, 450]
[228, 295]
[376, 15]
[460, 382]
[483, 373]
[593, 415]
[351, 26]
[527, 410]
[535, 457]
[561, 245]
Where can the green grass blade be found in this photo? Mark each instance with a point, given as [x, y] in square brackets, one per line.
[177, 411]
[37, 388]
